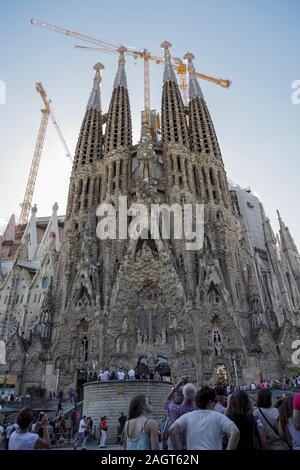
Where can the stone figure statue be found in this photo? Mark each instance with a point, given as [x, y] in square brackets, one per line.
[217, 341]
[139, 337]
[125, 325]
[118, 345]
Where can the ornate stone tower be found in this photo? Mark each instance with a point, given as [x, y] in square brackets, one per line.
[213, 313]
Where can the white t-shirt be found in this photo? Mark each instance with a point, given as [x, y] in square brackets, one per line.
[120, 375]
[82, 425]
[131, 374]
[22, 441]
[204, 429]
[10, 428]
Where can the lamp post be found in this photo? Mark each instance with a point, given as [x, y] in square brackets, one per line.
[57, 381]
[5, 381]
[233, 358]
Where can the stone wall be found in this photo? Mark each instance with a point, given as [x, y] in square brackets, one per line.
[113, 397]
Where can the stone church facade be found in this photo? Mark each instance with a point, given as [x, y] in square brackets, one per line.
[225, 312]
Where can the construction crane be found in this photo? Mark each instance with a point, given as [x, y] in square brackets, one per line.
[46, 112]
[103, 46]
[41, 90]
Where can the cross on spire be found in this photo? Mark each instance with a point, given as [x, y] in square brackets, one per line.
[120, 79]
[95, 98]
[194, 87]
[169, 74]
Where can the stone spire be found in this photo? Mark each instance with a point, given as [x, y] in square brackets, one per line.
[174, 125]
[169, 74]
[289, 250]
[271, 246]
[120, 78]
[32, 231]
[89, 145]
[202, 133]
[88, 153]
[287, 240]
[194, 87]
[10, 231]
[119, 129]
[95, 98]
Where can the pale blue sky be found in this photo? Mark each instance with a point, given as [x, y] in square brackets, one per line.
[255, 44]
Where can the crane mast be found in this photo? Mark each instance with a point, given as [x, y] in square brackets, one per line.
[41, 90]
[47, 112]
[27, 202]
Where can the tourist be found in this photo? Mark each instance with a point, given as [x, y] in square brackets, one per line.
[157, 375]
[120, 375]
[252, 434]
[23, 439]
[296, 411]
[204, 427]
[175, 410]
[11, 427]
[140, 432]
[59, 408]
[103, 427]
[268, 415]
[80, 439]
[2, 435]
[164, 437]
[220, 399]
[122, 421]
[131, 374]
[106, 375]
[286, 428]
[90, 423]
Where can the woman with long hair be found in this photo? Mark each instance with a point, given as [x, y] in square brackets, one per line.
[239, 410]
[268, 415]
[140, 432]
[286, 428]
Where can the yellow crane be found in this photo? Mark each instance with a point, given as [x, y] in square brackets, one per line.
[46, 112]
[107, 47]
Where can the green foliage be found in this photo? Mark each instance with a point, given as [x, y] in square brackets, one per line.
[36, 392]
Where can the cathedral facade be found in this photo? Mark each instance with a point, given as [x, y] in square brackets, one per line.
[227, 312]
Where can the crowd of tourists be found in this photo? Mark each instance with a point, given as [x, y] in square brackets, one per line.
[210, 418]
[122, 374]
[56, 428]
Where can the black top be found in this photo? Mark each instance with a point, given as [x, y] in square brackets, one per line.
[122, 421]
[247, 428]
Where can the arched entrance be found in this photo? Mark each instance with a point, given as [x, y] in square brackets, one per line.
[221, 376]
[82, 378]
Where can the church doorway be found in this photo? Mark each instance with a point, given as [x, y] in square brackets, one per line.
[221, 377]
[81, 379]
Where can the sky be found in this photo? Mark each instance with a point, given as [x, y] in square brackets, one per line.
[255, 44]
